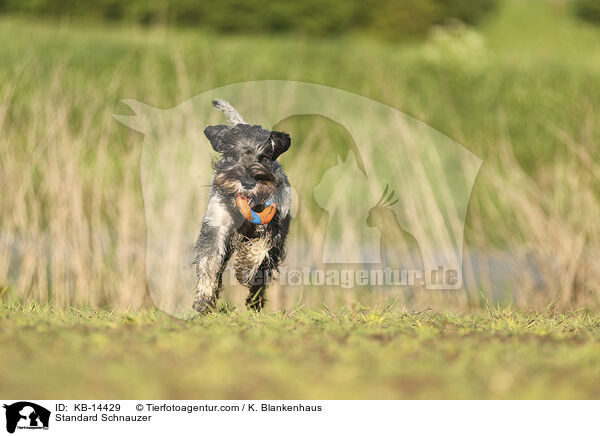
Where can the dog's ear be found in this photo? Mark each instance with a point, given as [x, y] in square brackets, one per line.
[215, 136]
[280, 142]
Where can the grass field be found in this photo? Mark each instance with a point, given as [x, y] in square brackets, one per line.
[341, 354]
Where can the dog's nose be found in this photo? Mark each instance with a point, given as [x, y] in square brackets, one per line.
[248, 184]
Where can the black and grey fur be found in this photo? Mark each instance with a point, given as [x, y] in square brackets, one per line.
[247, 165]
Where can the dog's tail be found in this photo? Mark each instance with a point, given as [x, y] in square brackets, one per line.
[232, 115]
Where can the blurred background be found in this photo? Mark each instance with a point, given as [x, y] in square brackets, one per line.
[515, 82]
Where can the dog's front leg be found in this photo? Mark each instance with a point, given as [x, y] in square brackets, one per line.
[212, 250]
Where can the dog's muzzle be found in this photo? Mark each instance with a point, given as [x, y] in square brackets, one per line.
[256, 217]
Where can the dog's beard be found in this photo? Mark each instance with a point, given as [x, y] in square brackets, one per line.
[232, 187]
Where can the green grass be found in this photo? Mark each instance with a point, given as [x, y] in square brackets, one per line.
[344, 354]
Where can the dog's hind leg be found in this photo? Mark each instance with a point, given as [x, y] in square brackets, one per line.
[253, 268]
[259, 282]
[269, 265]
[256, 298]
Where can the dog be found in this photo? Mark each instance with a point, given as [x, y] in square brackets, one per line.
[247, 178]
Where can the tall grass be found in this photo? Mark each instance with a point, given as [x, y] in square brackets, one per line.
[72, 222]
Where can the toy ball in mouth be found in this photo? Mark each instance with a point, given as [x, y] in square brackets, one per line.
[256, 217]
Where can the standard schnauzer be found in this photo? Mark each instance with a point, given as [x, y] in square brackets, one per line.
[247, 176]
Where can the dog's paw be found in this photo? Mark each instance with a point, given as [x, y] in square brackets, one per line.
[204, 305]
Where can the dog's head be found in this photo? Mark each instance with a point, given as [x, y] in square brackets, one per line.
[247, 164]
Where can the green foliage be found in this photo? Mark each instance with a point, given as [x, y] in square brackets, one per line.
[389, 18]
[394, 19]
[588, 10]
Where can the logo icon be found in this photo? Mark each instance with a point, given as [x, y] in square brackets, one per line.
[26, 415]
